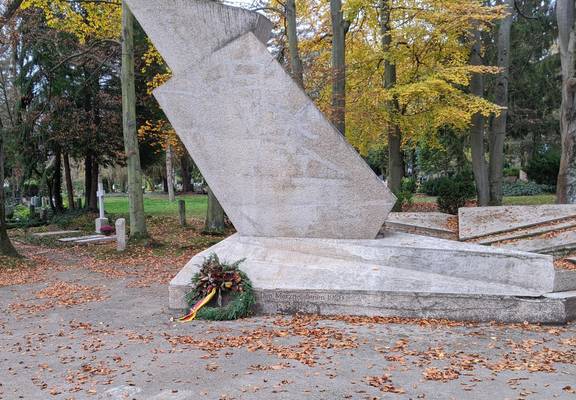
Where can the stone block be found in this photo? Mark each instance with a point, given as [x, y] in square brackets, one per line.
[120, 234]
[434, 224]
[100, 222]
[282, 169]
[559, 244]
[483, 221]
[396, 263]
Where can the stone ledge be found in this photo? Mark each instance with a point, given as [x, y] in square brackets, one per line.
[419, 305]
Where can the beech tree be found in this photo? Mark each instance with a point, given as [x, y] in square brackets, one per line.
[566, 18]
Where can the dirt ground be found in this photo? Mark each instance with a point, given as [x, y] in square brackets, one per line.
[74, 329]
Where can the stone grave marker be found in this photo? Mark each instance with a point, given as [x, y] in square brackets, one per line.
[101, 220]
[120, 234]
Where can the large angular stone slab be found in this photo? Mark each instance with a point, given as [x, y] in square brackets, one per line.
[397, 263]
[276, 164]
[476, 222]
[186, 31]
[434, 224]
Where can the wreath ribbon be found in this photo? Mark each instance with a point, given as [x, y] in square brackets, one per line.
[192, 314]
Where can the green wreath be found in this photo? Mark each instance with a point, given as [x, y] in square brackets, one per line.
[226, 279]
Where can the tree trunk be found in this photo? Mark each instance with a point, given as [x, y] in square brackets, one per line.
[135, 194]
[479, 164]
[93, 199]
[6, 247]
[87, 179]
[295, 60]
[185, 171]
[566, 188]
[170, 172]
[214, 223]
[339, 29]
[498, 133]
[395, 156]
[57, 182]
[69, 186]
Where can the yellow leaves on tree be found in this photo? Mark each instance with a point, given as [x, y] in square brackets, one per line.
[85, 20]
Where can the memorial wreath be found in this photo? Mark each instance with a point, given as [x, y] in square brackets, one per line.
[215, 280]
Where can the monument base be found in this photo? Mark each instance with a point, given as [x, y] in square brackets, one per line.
[100, 222]
[400, 275]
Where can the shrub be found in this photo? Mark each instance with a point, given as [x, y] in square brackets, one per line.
[430, 186]
[454, 192]
[520, 188]
[405, 195]
[513, 171]
[543, 168]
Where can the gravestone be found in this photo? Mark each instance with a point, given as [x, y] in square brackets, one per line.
[306, 207]
[120, 234]
[101, 220]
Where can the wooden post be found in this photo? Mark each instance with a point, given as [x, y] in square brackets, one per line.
[182, 212]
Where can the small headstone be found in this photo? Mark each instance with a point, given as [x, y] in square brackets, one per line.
[44, 202]
[182, 212]
[120, 234]
[523, 176]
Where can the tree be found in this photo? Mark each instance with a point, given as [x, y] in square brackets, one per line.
[566, 18]
[395, 158]
[340, 27]
[292, 33]
[479, 164]
[498, 133]
[135, 193]
[214, 223]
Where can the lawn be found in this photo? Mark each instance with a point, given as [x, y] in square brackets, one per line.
[157, 204]
[509, 201]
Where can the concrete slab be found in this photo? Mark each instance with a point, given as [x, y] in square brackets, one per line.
[527, 232]
[558, 244]
[185, 32]
[550, 309]
[97, 240]
[565, 280]
[75, 238]
[483, 221]
[54, 233]
[294, 174]
[435, 224]
[397, 263]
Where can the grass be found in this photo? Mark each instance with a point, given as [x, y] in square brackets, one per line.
[509, 201]
[156, 204]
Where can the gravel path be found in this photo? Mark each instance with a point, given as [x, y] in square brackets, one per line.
[80, 335]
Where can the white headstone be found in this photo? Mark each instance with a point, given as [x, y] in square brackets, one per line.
[101, 220]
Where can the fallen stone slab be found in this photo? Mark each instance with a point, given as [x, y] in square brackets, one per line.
[435, 224]
[557, 244]
[527, 232]
[396, 263]
[476, 222]
[75, 238]
[54, 233]
[97, 240]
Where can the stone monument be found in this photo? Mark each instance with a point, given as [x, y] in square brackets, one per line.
[101, 220]
[306, 207]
